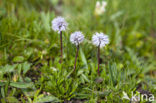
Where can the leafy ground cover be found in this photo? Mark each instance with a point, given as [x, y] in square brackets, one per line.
[30, 71]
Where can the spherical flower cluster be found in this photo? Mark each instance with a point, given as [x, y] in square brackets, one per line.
[59, 24]
[77, 38]
[100, 39]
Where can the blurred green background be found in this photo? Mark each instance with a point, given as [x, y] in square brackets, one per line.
[26, 38]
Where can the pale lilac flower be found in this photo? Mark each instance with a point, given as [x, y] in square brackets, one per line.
[77, 38]
[100, 39]
[59, 24]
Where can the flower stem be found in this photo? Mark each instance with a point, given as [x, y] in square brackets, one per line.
[98, 55]
[77, 51]
[61, 50]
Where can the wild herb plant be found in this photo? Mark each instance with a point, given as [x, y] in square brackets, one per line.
[99, 40]
[59, 24]
[76, 38]
[30, 71]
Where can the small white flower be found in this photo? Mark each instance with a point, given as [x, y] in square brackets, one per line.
[77, 38]
[100, 39]
[100, 7]
[59, 24]
[104, 4]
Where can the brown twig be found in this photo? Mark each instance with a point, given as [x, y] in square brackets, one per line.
[77, 51]
[61, 47]
[98, 55]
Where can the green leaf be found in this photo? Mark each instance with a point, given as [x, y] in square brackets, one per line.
[45, 17]
[83, 58]
[85, 78]
[26, 67]
[80, 72]
[82, 95]
[12, 100]
[2, 83]
[2, 92]
[21, 84]
[116, 15]
[102, 94]
[111, 73]
[29, 93]
[19, 68]
[47, 99]
[7, 69]
[3, 100]
[18, 59]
